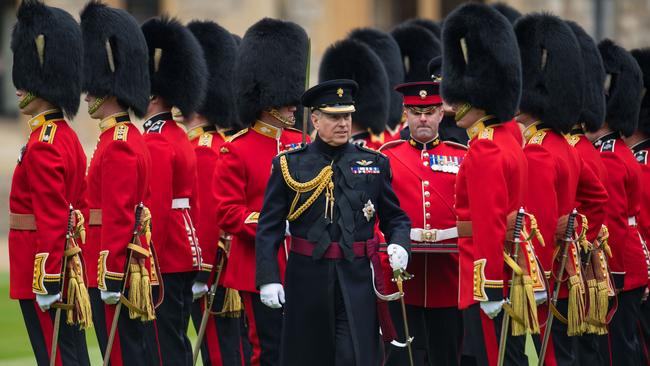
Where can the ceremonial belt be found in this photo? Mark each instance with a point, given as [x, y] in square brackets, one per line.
[25, 222]
[434, 235]
[631, 221]
[180, 203]
[305, 247]
[95, 217]
[464, 229]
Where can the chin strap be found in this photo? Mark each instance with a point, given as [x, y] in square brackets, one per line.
[95, 106]
[26, 100]
[287, 121]
[462, 111]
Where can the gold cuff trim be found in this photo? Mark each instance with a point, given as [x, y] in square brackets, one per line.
[252, 218]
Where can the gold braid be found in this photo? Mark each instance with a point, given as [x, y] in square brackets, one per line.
[323, 181]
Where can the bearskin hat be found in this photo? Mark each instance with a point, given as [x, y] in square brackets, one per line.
[435, 67]
[552, 71]
[418, 46]
[507, 11]
[115, 57]
[481, 67]
[48, 56]
[270, 67]
[430, 25]
[220, 52]
[385, 46]
[623, 87]
[177, 67]
[593, 106]
[642, 57]
[351, 59]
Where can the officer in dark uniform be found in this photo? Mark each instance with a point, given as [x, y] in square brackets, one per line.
[332, 192]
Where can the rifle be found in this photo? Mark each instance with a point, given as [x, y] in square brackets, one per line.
[505, 322]
[568, 239]
[118, 307]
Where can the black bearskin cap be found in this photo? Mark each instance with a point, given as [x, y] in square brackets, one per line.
[481, 62]
[385, 46]
[54, 73]
[552, 71]
[220, 52]
[115, 57]
[177, 67]
[507, 11]
[351, 59]
[418, 46]
[623, 87]
[593, 106]
[642, 57]
[430, 25]
[270, 67]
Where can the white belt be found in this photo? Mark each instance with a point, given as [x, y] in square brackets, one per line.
[433, 235]
[631, 221]
[180, 203]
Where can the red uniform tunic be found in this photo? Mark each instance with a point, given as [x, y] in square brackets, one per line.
[118, 180]
[629, 263]
[243, 169]
[207, 141]
[589, 154]
[491, 184]
[424, 176]
[370, 140]
[173, 193]
[641, 154]
[48, 178]
[560, 180]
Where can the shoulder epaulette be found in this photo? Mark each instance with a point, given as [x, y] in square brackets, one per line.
[391, 144]
[299, 148]
[608, 145]
[537, 138]
[641, 156]
[155, 127]
[205, 139]
[121, 132]
[47, 133]
[487, 133]
[367, 149]
[456, 144]
[238, 134]
[573, 140]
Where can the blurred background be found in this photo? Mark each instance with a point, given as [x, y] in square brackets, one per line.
[625, 21]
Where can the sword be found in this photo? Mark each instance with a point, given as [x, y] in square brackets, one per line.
[57, 315]
[118, 307]
[505, 321]
[305, 114]
[211, 295]
[568, 238]
[399, 277]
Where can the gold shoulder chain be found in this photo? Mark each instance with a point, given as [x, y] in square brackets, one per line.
[323, 181]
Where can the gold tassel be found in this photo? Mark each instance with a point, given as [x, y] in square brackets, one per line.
[592, 313]
[81, 313]
[145, 290]
[146, 224]
[135, 296]
[232, 305]
[533, 326]
[603, 306]
[576, 313]
[534, 231]
[519, 306]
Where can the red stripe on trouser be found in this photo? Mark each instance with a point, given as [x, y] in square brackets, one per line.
[211, 340]
[252, 328]
[490, 341]
[542, 315]
[116, 351]
[47, 327]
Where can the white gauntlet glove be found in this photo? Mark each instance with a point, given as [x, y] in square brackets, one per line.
[109, 297]
[45, 301]
[397, 256]
[198, 290]
[272, 295]
[492, 308]
[540, 297]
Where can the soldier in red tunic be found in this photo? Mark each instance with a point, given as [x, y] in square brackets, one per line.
[208, 129]
[269, 78]
[178, 75]
[424, 174]
[116, 78]
[352, 59]
[482, 82]
[559, 178]
[629, 261]
[49, 177]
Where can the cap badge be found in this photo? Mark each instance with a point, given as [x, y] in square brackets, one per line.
[339, 92]
[423, 94]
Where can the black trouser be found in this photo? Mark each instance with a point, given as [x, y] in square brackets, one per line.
[481, 341]
[343, 337]
[72, 348]
[222, 340]
[644, 330]
[437, 334]
[623, 329]
[99, 318]
[264, 330]
[172, 318]
[561, 348]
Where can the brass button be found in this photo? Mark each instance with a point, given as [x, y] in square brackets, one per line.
[426, 183]
[428, 215]
[425, 163]
[427, 226]
[427, 193]
[427, 204]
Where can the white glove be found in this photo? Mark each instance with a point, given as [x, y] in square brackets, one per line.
[540, 297]
[109, 297]
[198, 290]
[397, 256]
[272, 295]
[286, 229]
[492, 308]
[45, 301]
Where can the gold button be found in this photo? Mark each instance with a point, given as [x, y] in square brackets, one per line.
[425, 163]
[426, 183]
[427, 204]
[427, 226]
[428, 215]
[533, 269]
[425, 154]
[427, 194]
